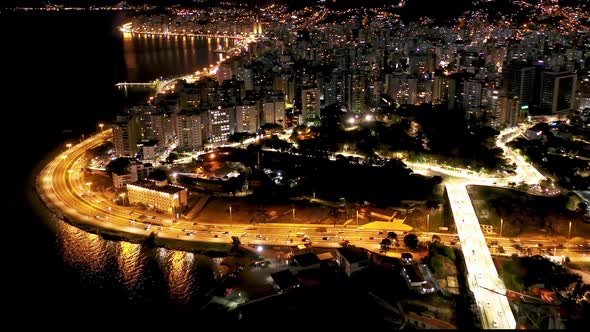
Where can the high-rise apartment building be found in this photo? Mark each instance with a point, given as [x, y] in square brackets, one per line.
[518, 80]
[248, 118]
[273, 108]
[224, 72]
[558, 90]
[162, 127]
[189, 129]
[310, 104]
[358, 97]
[509, 112]
[125, 136]
[472, 94]
[220, 123]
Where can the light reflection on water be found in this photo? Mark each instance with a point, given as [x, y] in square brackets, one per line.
[130, 261]
[150, 56]
[180, 279]
[86, 250]
[141, 273]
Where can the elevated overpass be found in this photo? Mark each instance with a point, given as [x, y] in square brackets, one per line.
[482, 277]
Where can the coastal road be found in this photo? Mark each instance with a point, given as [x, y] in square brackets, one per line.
[62, 186]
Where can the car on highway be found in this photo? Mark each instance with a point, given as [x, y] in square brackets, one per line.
[326, 238]
[216, 235]
[244, 235]
[261, 264]
[191, 233]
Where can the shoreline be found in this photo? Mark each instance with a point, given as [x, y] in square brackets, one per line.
[214, 249]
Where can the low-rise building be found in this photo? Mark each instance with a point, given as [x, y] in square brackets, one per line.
[149, 149]
[307, 261]
[351, 259]
[136, 171]
[415, 279]
[121, 180]
[158, 194]
[284, 281]
[140, 170]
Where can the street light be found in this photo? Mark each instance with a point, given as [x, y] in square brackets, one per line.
[69, 145]
[230, 218]
[357, 218]
[569, 232]
[101, 125]
[501, 225]
[427, 222]
[293, 215]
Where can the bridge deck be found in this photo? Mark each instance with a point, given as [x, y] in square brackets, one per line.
[482, 277]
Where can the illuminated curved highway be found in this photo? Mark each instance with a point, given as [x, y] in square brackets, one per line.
[61, 185]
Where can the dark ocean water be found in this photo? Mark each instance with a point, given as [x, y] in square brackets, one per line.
[59, 71]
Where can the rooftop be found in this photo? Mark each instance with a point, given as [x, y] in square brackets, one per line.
[306, 259]
[151, 185]
[285, 279]
[325, 256]
[413, 273]
[353, 254]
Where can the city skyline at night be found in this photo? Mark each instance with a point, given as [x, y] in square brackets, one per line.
[403, 164]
